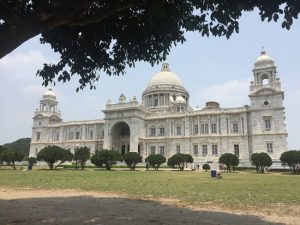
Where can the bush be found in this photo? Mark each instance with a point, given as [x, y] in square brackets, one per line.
[155, 160]
[53, 154]
[81, 155]
[230, 160]
[260, 161]
[106, 158]
[131, 159]
[32, 161]
[206, 167]
[292, 159]
[180, 160]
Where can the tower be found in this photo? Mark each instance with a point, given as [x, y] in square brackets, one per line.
[268, 131]
[45, 115]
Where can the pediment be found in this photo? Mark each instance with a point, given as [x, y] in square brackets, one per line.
[265, 91]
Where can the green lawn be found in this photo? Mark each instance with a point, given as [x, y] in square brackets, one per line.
[195, 188]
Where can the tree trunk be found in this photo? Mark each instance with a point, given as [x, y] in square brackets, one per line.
[13, 165]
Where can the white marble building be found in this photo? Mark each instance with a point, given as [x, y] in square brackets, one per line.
[164, 122]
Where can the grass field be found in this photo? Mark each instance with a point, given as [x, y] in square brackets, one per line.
[195, 188]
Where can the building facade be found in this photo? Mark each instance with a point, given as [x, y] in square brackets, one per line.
[164, 123]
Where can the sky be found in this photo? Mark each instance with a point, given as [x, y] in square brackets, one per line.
[210, 68]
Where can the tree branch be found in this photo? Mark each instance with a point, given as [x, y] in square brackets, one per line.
[106, 12]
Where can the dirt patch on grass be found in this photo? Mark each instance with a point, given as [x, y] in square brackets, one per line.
[212, 213]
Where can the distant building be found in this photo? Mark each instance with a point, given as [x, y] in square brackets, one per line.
[164, 123]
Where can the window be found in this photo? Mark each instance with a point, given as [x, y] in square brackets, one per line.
[152, 150]
[177, 149]
[162, 131]
[215, 149]
[178, 109]
[156, 102]
[268, 124]
[162, 150]
[196, 129]
[237, 150]
[178, 130]
[204, 150]
[195, 148]
[77, 135]
[57, 137]
[152, 132]
[38, 136]
[235, 128]
[204, 128]
[213, 128]
[269, 147]
[91, 134]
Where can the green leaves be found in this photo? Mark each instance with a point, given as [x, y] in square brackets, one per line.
[180, 160]
[155, 160]
[106, 158]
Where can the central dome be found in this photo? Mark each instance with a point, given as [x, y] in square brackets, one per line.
[165, 77]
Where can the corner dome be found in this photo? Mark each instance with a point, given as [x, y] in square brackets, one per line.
[49, 94]
[264, 61]
[165, 77]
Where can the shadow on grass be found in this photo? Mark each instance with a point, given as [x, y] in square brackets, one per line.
[108, 211]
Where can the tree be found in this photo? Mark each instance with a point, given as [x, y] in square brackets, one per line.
[11, 156]
[54, 154]
[155, 160]
[261, 160]
[292, 159]
[206, 167]
[93, 35]
[106, 158]
[22, 145]
[131, 159]
[81, 155]
[230, 160]
[180, 160]
[2, 149]
[255, 161]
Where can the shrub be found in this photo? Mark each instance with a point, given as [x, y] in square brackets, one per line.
[131, 159]
[155, 160]
[206, 167]
[180, 160]
[81, 155]
[32, 161]
[53, 154]
[230, 160]
[106, 158]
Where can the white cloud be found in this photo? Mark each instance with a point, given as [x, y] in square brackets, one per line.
[32, 89]
[233, 93]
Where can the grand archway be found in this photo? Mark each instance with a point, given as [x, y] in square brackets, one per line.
[120, 137]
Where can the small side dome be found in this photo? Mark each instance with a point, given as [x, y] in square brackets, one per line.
[179, 100]
[264, 61]
[49, 94]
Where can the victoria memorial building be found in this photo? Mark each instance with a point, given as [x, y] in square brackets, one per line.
[164, 122]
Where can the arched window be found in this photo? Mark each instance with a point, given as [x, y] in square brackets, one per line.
[265, 79]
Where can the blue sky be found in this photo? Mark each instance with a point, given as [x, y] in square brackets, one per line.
[211, 69]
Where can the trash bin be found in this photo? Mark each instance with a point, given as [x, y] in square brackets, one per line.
[29, 167]
[213, 173]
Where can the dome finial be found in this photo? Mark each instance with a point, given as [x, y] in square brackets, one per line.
[263, 52]
[165, 67]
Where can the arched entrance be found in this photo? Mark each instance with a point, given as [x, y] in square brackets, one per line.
[120, 137]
